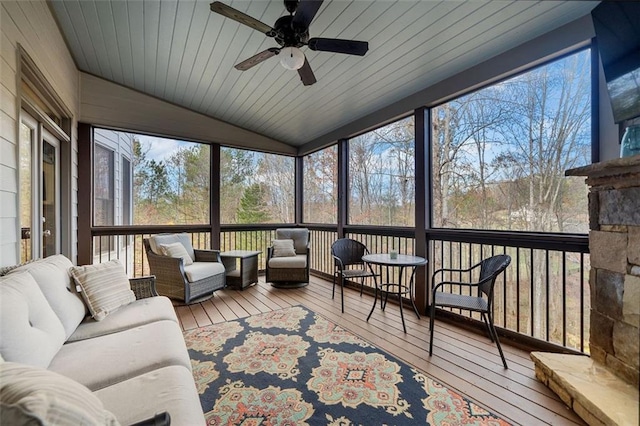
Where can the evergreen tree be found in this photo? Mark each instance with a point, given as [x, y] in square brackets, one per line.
[253, 208]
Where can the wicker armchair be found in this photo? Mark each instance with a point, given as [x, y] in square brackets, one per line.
[490, 268]
[290, 272]
[188, 283]
[144, 287]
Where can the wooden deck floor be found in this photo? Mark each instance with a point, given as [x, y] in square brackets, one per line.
[466, 362]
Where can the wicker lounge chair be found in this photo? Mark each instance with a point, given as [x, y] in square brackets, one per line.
[290, 271]
[176, 280]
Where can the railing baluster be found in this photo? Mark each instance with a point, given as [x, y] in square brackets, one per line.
[450, 251]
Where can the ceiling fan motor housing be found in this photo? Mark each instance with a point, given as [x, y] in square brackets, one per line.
[286, 35]
[291, 5]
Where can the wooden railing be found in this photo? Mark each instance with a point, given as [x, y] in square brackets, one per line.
[544, 294]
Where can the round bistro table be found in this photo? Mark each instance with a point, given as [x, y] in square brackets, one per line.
[402, 262]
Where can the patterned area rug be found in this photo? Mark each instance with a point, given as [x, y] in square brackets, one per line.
[293, 367]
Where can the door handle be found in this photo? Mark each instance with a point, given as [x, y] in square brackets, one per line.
[46, 233]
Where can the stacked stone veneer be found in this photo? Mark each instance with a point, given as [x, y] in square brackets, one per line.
[614, 244]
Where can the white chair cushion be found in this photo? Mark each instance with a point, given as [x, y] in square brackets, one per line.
[30, 332]
[156, 240]
[31, 395]
[53, 277]
[201, 270]
[298, 261]
[105, 287]
[176, 250]
[283, 248]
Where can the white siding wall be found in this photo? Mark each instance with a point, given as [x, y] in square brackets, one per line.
[121, 144]
[30, 24]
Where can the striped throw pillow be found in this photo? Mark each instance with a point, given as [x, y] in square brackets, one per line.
[31, 395]
[104, 287]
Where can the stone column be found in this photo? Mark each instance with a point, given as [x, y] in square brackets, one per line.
[614, 245]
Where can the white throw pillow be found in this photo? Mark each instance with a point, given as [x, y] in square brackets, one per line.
[105, 287]
[176, 250]
[283, 248]
[31, 395]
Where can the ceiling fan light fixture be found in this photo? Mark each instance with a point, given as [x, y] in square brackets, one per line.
[291, 58]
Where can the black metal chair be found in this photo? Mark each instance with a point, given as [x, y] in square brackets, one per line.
[490, 268]
[347, 255]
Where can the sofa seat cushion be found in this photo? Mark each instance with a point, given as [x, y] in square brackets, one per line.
[30, 332]
[53, 278]
[298, 261]
[201, 270]
[106, 360]
[137, 313]
[105, 287]
[170, 389]
[31, 395]
[156, 240]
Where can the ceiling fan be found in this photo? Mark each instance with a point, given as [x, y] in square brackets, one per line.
[291, 32]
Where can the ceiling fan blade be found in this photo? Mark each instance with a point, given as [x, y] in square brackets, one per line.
[305, 13]
[257, 58]
[238, 16]
[350, 47]
[306, 74]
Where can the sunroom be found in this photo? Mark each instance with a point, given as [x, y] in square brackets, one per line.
[448, 140]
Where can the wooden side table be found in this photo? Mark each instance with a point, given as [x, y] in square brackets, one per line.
[247, 274]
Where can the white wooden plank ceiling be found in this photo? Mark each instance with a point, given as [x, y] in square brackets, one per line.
[179, 51]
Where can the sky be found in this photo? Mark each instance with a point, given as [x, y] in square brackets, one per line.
[160, 148]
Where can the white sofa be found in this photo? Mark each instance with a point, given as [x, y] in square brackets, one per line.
[134, 359]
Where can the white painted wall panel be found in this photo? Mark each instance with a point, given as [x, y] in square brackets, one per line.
[30, 25]
[8, 205]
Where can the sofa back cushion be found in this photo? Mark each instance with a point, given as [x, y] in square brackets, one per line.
[105, 287]
[53, 277]
[300, 237]
[30, 332]
[156, 240]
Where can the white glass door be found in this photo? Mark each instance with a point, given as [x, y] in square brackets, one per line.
[39, 190]
[50, 195]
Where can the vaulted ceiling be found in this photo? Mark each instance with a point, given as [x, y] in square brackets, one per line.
[179, 51]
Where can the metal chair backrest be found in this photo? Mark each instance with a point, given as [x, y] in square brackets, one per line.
[349, 251]
[490, 268]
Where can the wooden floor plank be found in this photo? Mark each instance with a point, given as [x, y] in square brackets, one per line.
[187, 321]
[462, 360]
[222, 307]
[212, 312]
[201, 317]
